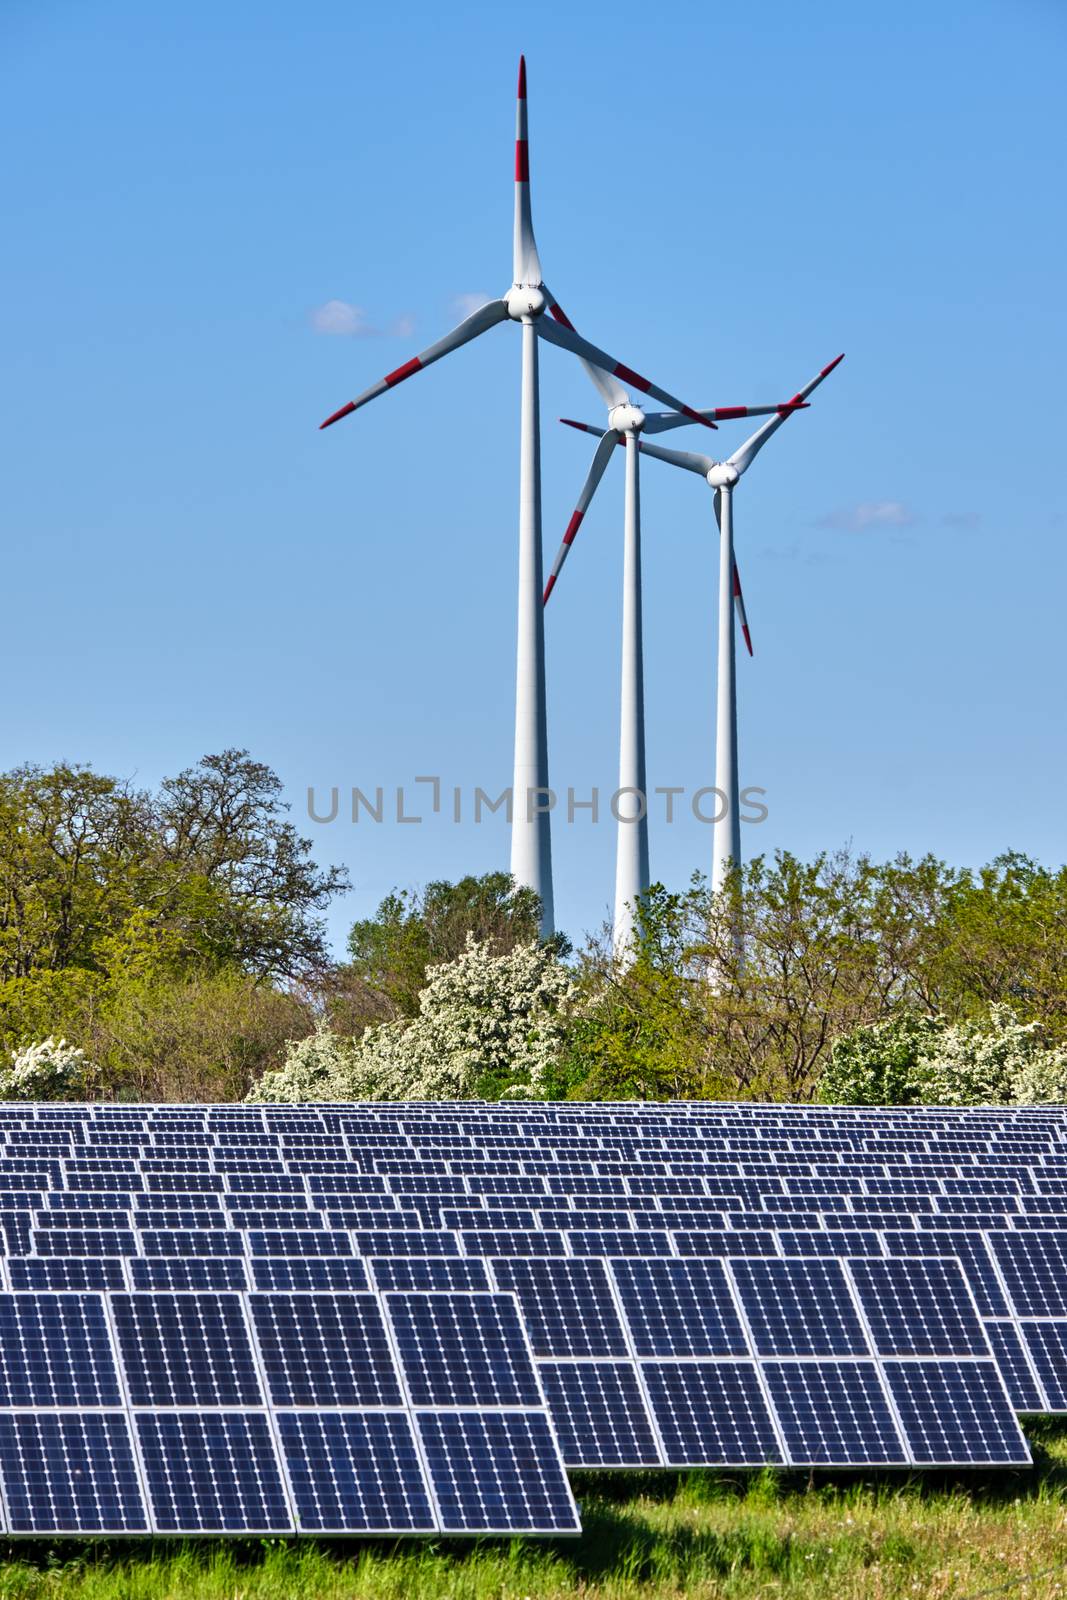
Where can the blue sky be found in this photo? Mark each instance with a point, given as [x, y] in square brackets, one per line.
[726, 199]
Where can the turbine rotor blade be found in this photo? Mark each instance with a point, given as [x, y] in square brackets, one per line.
[564, 335]
[601, 458]
[583, 427]
[739, 599]
[479, 322]
[525, 260]
[660, 421]
[701, 465]
[744, 456]
[610, 390]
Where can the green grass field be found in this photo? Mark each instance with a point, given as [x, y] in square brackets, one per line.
[646, 1538]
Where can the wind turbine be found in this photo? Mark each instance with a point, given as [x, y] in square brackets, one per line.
[723, 476]
[525, 303]
[625, 423]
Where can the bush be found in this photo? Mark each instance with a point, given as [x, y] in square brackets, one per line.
[927, 1060]
[488, 1026]
[52, 1069]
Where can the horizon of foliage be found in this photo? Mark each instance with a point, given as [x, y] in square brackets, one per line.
[175, 939]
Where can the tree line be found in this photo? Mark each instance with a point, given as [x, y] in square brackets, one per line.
[175, 938]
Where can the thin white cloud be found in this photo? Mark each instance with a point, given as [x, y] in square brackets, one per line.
[342, 318]
[465, 305]
[867, 514]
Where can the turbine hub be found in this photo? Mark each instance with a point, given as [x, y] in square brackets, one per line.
[722, 475]
[524, 300]
[626, 418]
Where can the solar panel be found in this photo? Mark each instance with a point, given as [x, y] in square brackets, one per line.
[799, 1307]
[496, 1472]
[833, 1413]
[212, 1472]
[463, 1349]
[679, 1308]
[918, 1307]
[55, 1351]
[185, 1350]
[568, 1307]
[1046, 1343]
[954, 1412]
[325, 1350]
[64, 1472]
[711, 1413]
[599, 1414]
[355, 1472]
[1015, 1367]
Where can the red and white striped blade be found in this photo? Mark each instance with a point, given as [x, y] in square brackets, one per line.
[525, 260]
[688, 459]
[661, 421]
[610, 390]
[589, 488]
[739, 599]
[583, 427]
[564, 335]
[480, 321]
[743, 457]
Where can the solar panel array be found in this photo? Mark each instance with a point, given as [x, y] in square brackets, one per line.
[412, 1318]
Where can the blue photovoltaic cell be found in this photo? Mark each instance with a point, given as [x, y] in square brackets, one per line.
[65, 1272]
[299, 1242]
[315, 1272]
[68, 1473]
[1034, 1266]
[727, 1242]
[833, 1413]
[463, 1350]
[83, 1242]
[955, 1411]
[1047, 1344]
[406, 1242]
[800, 1307]
[354, 1472]
[325, 1350]
[619, 1243]
[185, 1350]
[918, 1307]
[207, 1241]
[55, 1351]
[487, 1242]
[679, 1308]
[599, 1414]
[829, 1242]
[429, 1272]
[711, 1413]
[973, 1255]
[181, 1272]
[212, 1472]
[1015, 1369]
[497, 1472]
[567, 1306]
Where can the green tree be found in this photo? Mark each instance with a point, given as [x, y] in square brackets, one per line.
[415, 929]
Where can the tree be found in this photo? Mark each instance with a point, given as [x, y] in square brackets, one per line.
[412, 930]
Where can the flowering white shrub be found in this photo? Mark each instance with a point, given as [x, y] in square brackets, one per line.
[314, 1067]
[52, 1069]
[913, 1060]
[487, 1026]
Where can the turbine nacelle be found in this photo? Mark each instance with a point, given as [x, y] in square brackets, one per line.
[626, 418]
[524, 301]
[721, 475]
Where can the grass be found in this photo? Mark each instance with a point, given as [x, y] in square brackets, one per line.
[647, 1537]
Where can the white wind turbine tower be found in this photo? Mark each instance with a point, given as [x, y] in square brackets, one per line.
[525, 303]
[723, 477]
[625, 423]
